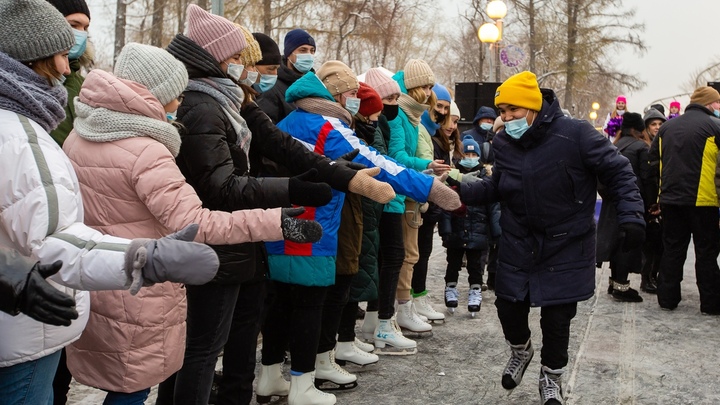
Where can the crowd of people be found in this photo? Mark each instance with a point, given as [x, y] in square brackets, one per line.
[158, 216]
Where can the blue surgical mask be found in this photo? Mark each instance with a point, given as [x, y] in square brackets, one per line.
[80, 43]
[234, 71]
[304, 62]
[352, 104]
[59, 81]
[267, 82]
[517, 127]
[171, 116]
[251, 78]
[486, 126]
[717, 113]
[469, 163]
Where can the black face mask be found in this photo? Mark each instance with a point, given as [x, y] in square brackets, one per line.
[374, 124]
[390, 111]
[440, 118]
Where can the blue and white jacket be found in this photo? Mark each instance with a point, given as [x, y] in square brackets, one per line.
[313, 264]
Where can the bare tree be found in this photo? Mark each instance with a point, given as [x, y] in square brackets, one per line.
[158, 18]
[120, 22]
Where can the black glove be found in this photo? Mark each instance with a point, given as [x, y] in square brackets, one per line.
[453, 183]
[303, 190]
[299, 230]
[632, 235]
[364, 131]
[43, 302]
[346, 160]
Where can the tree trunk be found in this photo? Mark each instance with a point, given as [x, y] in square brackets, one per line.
[532, 44]
[158, 16]
[119, 28]
[202, 4]
[267, 17]
[572, 33]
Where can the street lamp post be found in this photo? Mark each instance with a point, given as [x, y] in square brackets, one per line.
[491, 33]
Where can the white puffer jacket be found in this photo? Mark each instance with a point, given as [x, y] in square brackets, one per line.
[41, 216]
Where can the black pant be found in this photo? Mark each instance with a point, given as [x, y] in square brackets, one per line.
[239, 358]
[61, 382]
[346, 330]
[335, 300]
[425, 245]
[209, 317]
[623, 263]
[294, 319]
[679, 223]
[392, 254]
[554, 322]
[492, 260]
[475, 263]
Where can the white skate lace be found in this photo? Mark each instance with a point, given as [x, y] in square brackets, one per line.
[474, 297]
[515, 364]
[549, 388]
[451, 294]
[337, 366]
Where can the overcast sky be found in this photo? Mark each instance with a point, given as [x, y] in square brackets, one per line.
[679, 35]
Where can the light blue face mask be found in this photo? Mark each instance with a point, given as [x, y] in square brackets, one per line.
[517, 127]
[234, 71]
[486, 126]
[469, 163]
[717, 113]
[304, 62]
[251, 78]
[80, 43]
[267, 82]
[352, 104]
[59, 81]
[171, 116]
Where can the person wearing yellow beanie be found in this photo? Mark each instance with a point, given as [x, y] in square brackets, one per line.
[546, 172]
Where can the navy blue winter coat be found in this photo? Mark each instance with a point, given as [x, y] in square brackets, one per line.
[547, 181]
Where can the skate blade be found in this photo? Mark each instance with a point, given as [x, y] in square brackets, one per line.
[327, 385]
[416, 335]
[472, 314]
[350, 362]
[451, 310]
[436, 321]
[395, 351]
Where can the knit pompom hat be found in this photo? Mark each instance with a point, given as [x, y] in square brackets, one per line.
[251, 54]
[704, 95]
[32, 30]
[154, 68]
[454, 110]
[269, 49]
[383, 84]
[295, 39]
[441, 92]
[520, 90]
[67, 7]
[217, 35]
[337, 77]
[370, 101]
[418, 74]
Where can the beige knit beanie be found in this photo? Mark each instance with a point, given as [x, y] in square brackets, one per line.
[418, 74]
[154, 68]
[383, 84]
[337, 77]
[251, 54]
[704, 95]
[215, 34]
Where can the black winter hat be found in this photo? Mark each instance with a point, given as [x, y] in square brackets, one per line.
[659, 107]
[484, 112]
[67, 7]
[633, 120]
[269, 48]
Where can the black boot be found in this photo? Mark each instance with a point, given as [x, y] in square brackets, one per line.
[610, 285]
[622, 292]
[491, 281]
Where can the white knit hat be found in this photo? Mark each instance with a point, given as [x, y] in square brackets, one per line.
[154, 68]
[454, 110]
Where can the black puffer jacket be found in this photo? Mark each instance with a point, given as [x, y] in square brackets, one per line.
[273, 101]
[217, 168]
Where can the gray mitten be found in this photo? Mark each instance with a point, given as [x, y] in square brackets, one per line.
[299, 230]
[174, 258]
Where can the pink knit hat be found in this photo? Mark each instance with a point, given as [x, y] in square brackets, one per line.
[217, 35]
[384, 85]
[675, 104]
[621, 99]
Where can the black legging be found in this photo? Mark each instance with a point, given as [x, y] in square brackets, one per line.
[392, 254]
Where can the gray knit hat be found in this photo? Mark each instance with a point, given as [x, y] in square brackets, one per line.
[154, 68]
[32, 30]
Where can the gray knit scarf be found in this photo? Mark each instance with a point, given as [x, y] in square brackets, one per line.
[230, 97]
[318, 105]
[27, 93]
[103, 125]
[412, 108]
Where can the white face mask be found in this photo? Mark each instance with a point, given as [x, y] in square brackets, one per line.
[234, 71]
[251, 78]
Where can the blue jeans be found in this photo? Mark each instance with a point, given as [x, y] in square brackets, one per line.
[29, 382]
[126, 398]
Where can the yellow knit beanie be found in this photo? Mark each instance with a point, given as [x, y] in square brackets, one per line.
[251, 54]
[520, 90]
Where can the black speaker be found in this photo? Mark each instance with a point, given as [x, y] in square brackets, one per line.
[714, 85]
[470, 96]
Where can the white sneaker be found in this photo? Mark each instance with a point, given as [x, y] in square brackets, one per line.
[388, 334]
[366, 347]
[348, 351]
[369, 325]
[424, 308]
[407, 319]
